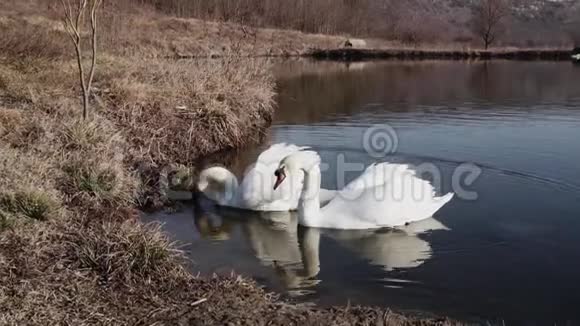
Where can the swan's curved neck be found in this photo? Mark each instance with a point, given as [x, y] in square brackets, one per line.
[309, 202]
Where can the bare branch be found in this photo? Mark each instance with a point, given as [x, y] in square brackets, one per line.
[489, 18]
[73, 27]
[81, 10]
[95, 7]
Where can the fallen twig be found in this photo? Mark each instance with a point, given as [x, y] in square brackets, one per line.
[198, 302]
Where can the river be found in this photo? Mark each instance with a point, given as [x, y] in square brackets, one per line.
[503, 135]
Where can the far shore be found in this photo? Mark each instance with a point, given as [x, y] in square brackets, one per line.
[369, 54]
[359, 54]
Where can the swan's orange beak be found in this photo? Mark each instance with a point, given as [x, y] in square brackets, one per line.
[280, 176]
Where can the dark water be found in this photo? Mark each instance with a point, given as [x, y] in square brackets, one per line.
[512, 254]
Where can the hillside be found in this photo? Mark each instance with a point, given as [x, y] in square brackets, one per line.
[413, 22]
[532, 22]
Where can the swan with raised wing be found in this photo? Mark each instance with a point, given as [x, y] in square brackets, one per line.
[384, 195]
[255, 191]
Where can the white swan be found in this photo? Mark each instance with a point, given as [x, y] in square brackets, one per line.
[255, 191]
[384, 195]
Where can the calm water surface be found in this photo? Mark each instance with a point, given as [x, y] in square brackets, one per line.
[512, 254]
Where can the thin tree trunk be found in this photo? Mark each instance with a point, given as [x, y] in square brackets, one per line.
[82, 78]
[73, 28]
[85, 105]
[94, 53]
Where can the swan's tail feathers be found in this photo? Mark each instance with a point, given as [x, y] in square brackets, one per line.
[440, 202]
[446, 198]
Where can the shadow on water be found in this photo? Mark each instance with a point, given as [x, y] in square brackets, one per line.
[511, 254]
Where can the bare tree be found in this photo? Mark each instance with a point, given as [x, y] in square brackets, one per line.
[74, 21]
[489, 20]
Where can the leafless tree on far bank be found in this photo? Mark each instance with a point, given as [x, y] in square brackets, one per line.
[489, 19]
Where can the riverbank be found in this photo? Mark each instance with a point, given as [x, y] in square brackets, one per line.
[350, 54]
[72, 247]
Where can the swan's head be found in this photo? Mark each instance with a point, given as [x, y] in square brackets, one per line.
[216, 182]
[280, 175]
[295, 164]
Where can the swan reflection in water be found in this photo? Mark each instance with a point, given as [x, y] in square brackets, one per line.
[293, 252]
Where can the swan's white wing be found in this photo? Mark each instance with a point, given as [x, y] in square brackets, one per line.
[376, 174]
[277, 152]
[257, 186]
[325, 196]
[385, 195]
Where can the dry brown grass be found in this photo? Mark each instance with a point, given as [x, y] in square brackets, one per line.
[79, 272]
[179, 111]
[32, 31]
[176, 37]
[125, 254]
[44, 169]
[95, 174]
[27, 190]
[30, 39]
[40, 84]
